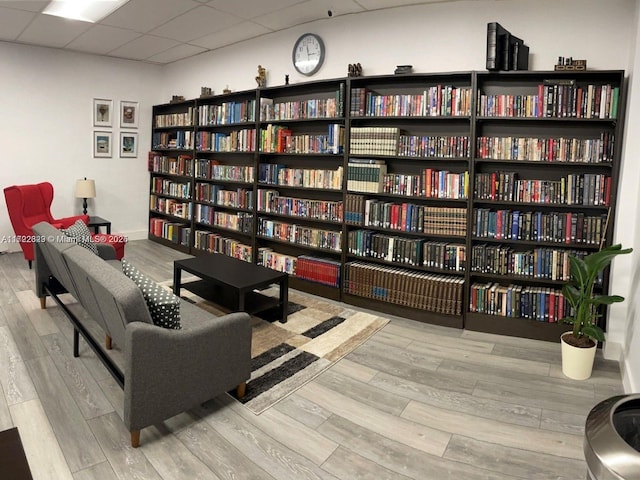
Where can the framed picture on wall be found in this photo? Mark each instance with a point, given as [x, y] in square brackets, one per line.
[102, 144]
[128, 144]
[128, 114]
[102, 112]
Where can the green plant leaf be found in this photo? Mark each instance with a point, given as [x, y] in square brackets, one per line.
[605, 299]
[594, 332]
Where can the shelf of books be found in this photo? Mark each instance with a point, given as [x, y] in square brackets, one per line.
[545, 171]
[450, 198]
[407, 194]
[299, 197]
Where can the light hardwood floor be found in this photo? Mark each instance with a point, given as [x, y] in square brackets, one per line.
[415, 401]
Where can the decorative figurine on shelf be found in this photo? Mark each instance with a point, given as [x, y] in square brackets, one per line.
[568, 63]
[177, 99]
[354, 70]
[286, 79]
[261, 79]
[226, 90]
[205, 92]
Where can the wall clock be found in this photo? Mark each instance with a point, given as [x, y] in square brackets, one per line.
[308, 54]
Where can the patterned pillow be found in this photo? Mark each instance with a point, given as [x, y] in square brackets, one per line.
[164, 306]
[82, 236]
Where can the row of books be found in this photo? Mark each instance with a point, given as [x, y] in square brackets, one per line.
[270, 201]
[166, 186]
[170, 206]
[184, 119]
[408, 217]
[435, 101]
[279, 139]
[558, 227]
[434, 146]
[243, 140]
[374, 140]
[365, 175]
[180, 165]
[173, 231]
[532, 149]
[431, 183]
[178, 140]
[239, 198]
[330, 107]
[279, 174]
[320, 270]
[425, 291]
[240, 221]
[574, 189]
[300, 234]
[566, 100]
[214, 242]
[541, 263]
[227, 113]
[212, 170]
[517, 301]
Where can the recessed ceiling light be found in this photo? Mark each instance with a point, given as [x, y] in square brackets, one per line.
[84, 10]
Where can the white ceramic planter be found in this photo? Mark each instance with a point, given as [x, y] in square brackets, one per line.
[577, 363]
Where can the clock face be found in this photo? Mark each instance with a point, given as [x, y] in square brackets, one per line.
[308, 54]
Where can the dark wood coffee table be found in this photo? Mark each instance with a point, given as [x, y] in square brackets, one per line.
[13, 461]
[230, 283]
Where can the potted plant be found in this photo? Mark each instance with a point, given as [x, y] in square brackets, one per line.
[579, 345]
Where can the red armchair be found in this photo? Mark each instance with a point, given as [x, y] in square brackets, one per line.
[28, 205]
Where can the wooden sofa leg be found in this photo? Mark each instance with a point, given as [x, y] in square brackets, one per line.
[43, 302]
[107, 342]
[135, 438]
[241, 389]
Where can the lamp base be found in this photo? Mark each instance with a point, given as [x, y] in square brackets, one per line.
[84, 206]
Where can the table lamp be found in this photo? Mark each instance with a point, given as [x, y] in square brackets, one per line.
[85, 189]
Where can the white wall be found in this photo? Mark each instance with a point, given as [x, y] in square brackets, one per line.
[46, 131]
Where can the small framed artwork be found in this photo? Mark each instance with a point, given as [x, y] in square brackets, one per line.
[102, 144]
[102, 112]
[128, 114]
[128, 144]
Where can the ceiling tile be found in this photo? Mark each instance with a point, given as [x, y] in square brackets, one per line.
[307, 12]
[143, 47]
[196, 23]
[145, 15]
[101, 39]
[29, 6]
[378, 4]
[176, 53]
[52, 31]
[12, 22]
[252, 8]
[242, 31]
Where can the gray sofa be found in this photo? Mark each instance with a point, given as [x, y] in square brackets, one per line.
[163, 371]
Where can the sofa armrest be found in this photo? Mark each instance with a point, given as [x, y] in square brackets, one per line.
[106, 251]
[170, 371]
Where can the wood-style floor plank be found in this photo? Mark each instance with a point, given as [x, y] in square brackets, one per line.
[345, 463]
[14, 379]
[24, 334]
[6, 421]
[39, 318]
[102, 471]
[304, 411]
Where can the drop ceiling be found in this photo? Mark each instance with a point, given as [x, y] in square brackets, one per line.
[164, 31]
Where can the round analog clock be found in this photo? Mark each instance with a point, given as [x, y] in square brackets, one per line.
[308, 54]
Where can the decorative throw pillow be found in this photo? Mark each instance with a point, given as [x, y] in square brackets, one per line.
[82, 236]
[164, 306]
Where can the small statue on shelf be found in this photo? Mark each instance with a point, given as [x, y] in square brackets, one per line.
[261, 79]
[205, 92]
[226, 90]
[569, 63]
[286, 79]
[354, 70]
[177, 99]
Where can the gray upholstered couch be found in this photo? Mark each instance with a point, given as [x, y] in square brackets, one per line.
[163, 371]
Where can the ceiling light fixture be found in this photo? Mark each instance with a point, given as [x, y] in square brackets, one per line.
[83, 10]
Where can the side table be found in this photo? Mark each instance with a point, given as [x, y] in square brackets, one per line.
[97, 222]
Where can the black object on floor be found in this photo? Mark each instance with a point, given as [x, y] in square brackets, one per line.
[13, 461]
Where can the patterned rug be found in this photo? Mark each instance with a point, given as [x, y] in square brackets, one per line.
[285, 356]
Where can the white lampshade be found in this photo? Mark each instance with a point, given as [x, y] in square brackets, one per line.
[85, 188]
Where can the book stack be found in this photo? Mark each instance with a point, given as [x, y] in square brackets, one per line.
[320, 270]
[366, 243]
[374, 140]
[212, 170]
[214, 194]
[184, 119]
[505, 51]
[165, 186]
[172, 231]
[237, 141]
[517, 301]
[426, 291]
[277, 261]
[182, 165]
[227, 113]
[445, 256]
[303, 109]
[366, 175]
[214, 242]
[270, 201]
[179, 140]
[279, 174]
[170, 206]
[436, 146]
[450, 221]
[354, 209]
[300, 234]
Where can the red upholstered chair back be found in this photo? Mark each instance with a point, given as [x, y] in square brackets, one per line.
[28, 205]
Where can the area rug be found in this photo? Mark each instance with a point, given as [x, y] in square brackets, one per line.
[285, 356]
